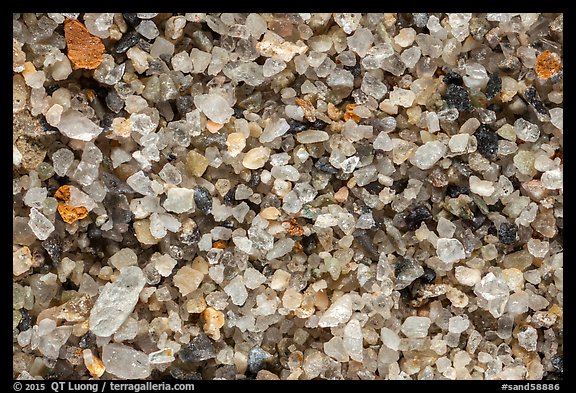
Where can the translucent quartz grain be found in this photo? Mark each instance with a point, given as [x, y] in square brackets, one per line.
[416, 327]
[360, 41]
[116, 301]
[125, 362]
[148, 29]
[35, 197]
[428, 154]
[75, 125]
[467, 276]
[237, 291]
[335, 349]
[450, 250]
[390, 338]
[21, 261]
[273, 130]
[493, 294]
[557, 118]
[179, 200]
[123, 258]
[458, 324]
[312, 136]
[481, 187]
[526, 131]
[338, 312]
[215, 107]
[352, 340]
[40, 225]
[256, 157]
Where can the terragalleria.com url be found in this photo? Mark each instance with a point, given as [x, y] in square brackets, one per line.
[137, 387]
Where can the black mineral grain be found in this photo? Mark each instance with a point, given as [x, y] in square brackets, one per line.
[200, 348]
[487, 141]
[417, 216]
[127, 41]
[453, 78]
[457, 97]
[203, 199]
[53, 246]
[508, 233]
[494, 86]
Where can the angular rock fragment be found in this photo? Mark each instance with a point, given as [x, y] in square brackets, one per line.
[200, 348]
[84, 49]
